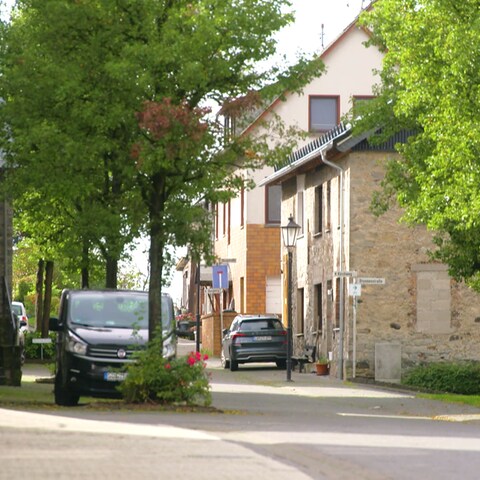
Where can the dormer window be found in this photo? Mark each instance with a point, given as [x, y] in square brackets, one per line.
[323, 113]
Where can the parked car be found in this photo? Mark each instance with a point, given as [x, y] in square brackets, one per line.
[18, 309]
[98, 332]
[254, 338]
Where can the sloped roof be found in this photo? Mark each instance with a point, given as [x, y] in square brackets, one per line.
[339, 140]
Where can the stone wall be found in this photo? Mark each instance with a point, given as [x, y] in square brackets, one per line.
[430, 316]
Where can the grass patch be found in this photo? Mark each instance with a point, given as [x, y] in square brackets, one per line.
[34, 395]
[472, 400]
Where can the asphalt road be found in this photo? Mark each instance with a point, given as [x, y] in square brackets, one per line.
[265, 427]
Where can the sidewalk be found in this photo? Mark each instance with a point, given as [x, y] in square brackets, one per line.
[235, 391]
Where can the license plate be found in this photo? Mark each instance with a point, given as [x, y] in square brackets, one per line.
[114, 376]
[263, 339]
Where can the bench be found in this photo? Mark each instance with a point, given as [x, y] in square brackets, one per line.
[308, 356]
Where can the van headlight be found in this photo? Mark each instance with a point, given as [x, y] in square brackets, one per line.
[75, 345]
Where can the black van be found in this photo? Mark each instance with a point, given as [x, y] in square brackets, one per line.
[97, 333]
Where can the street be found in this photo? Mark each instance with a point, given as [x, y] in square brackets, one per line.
[313, 427]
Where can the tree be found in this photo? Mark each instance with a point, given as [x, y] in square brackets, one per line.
[68, 136]
[115, 92]
[430, 84]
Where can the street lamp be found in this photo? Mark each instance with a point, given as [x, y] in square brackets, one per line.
[289, 236]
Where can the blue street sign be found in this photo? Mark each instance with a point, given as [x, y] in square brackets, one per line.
[220, 276]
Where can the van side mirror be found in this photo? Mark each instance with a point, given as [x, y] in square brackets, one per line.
[54, 324]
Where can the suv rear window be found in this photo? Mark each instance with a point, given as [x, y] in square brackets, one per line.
[261, 324]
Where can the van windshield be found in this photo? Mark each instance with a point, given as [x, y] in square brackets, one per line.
[114, 310]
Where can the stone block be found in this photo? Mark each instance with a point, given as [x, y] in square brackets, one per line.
[388, 362]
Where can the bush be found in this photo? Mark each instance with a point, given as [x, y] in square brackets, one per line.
[459, 378]
[155, 379]
[33, 350]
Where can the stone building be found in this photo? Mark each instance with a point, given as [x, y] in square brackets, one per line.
[405, 310]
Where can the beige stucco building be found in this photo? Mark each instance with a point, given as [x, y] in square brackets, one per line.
[247, 229]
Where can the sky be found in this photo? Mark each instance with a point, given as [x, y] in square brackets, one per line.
[303, 36]
[306, 33]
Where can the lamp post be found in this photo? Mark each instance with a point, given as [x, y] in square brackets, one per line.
[197, 322]
[289, 236]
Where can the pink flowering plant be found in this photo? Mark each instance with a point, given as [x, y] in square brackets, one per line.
[155, 379]
[185, 317]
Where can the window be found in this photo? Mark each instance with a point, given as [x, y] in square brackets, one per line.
[329, 205]
[300, 211]
[337, 302]
[318, 308]
[339, 203]
[229, 212]
[323, 113]
[229, 127]
[224, 224]
[318, 223]
[300, 311]
[273, 203]
[242, 207]
[242, 294]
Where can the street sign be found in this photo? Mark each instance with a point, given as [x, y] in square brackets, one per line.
[215, 290]
[345, 274]
[371, 281]
[41, 340]
[355, 289]
[220, 276]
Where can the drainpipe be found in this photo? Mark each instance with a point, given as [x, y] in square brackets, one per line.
[341, 315]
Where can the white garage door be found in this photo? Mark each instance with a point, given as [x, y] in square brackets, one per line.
[274, 295]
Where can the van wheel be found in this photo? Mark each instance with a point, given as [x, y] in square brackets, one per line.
[225, 362]
[62, 395]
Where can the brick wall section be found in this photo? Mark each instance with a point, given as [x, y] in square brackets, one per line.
[263, 260]
[212, 331]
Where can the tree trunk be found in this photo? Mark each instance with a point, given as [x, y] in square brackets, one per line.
[155, 284]
[111, 272]
[48, 297]
[157, 246]
[39, 295]
[85, 276]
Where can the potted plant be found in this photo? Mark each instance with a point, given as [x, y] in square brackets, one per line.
[322, 366]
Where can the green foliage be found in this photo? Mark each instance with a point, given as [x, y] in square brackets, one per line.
[458, 378]
[105, 107]
[430, 84]
[33, 351]
[152, 378]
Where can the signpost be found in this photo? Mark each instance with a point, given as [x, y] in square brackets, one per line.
[220, 283]
[42, 342]
[345, 274]
[355, 291]
[370, 281]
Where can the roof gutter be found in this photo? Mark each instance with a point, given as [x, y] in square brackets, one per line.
[309, 156]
